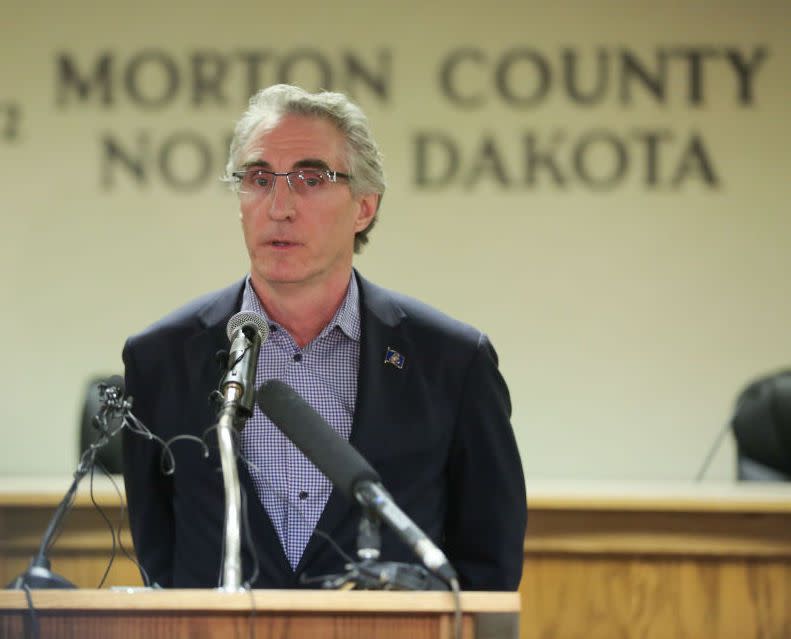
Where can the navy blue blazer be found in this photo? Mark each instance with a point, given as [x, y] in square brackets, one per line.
[437, 430]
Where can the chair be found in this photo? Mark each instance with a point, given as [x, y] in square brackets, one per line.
[762, 428]
[110, 455]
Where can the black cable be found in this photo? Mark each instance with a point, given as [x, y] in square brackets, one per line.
[167, 444]
[335, 545]
[139, 428]
[712, 451]
[31, 610]
[109, 525]
[120, 528]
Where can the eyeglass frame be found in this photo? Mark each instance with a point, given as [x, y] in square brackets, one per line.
[332, 176]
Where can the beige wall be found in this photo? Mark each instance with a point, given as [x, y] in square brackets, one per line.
[627, 318]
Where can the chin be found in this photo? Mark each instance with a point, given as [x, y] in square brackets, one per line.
[282, 275]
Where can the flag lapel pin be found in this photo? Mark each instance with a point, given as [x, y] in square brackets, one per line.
[394, 358]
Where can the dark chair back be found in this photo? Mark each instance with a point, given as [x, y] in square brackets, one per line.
[762, 428]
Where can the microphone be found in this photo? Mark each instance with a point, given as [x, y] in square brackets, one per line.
[345, 468]
[247, 332]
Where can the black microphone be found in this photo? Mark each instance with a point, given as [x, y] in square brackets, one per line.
[345, 468]
[247, 332]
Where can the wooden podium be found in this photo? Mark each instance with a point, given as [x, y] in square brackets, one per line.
[262, 614]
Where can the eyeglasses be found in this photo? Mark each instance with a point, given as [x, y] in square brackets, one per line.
[303, 182]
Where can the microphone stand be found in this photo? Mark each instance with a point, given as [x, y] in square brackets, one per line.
[247, 332]
[38, 573]
[232, 562]
[369, 539]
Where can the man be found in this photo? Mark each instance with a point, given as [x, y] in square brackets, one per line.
[416, 392]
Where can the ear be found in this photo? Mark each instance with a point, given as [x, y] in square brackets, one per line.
[366, 211]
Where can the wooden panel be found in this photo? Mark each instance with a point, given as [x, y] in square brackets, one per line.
[198, 626]
[586, 531]
[655, 598]
[83, 549]
[659, 496]
[679, 561]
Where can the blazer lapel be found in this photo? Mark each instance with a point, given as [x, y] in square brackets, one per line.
[379, 389]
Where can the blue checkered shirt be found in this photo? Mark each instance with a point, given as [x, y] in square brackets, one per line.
[292, 490]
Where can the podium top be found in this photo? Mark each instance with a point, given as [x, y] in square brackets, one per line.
[552, 494]
[262, 600]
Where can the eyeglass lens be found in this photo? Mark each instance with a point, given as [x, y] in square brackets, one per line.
[302, 182]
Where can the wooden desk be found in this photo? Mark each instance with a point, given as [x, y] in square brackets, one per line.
[657, 561]
[603, 560]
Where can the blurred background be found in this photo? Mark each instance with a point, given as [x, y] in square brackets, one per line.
[601, 187]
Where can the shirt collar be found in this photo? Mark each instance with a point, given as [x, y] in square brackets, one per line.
[346, 317]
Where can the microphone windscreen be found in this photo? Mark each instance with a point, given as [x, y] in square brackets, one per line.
[329, 452]
[247, 318]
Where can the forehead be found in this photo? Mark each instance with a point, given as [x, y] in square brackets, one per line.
[293, 139]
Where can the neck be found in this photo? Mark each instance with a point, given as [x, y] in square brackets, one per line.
[303, 309]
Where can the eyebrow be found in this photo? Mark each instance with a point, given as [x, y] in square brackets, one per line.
[307, 163]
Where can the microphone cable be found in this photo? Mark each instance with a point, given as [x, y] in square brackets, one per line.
[715, 447]
[117, 531]
[719, 439]
[110, 526]
[33, 631]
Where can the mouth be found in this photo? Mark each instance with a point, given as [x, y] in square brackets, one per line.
[281, 244]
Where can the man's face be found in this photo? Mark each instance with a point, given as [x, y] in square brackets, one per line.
[294, 239]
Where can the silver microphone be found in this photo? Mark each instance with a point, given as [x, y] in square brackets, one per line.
[247, 332]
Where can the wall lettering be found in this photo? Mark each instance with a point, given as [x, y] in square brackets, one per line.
[468, 78]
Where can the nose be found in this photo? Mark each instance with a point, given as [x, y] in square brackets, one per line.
[281, 205]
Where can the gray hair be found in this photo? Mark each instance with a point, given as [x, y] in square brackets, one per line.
[362, 153]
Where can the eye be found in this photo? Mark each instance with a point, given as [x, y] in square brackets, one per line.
[311, 179]
[261, 179]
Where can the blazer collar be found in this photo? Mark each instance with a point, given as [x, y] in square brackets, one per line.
[378, 303]
[220, 306]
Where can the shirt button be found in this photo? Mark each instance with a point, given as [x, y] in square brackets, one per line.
[303, 494]
[297, 357]
[273, 328]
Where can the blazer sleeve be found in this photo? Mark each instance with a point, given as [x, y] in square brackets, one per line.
[487, 506]
[148, 490]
